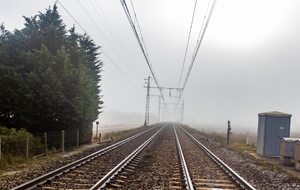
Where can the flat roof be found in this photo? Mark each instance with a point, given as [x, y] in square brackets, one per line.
[275, 113]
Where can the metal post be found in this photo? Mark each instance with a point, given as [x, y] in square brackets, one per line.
[27, 146]
[99, 138]
[147, 104]
[159, 108]
[97, 131]
[228, 131]
[247, 137]
[62, 140]
[46, 149]
[163, 118]
[77, 138]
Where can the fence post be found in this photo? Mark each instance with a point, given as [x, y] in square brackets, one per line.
[99, 138]
[27, 146]
[46, 149]
[247, 137]
[77, 138]
[62, 140]
[111, 138]
[0, 148]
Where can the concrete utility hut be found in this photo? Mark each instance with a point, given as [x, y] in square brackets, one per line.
[272, 126]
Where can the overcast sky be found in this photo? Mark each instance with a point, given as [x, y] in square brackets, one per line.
[248, 61]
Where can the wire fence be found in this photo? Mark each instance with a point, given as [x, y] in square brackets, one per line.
[38, 143]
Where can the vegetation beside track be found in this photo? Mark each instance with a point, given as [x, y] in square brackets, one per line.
[117, 135]
[13, 146]
[50, 77]
[12, 163]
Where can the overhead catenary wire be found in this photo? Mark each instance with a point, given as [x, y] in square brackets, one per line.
[167, 84]
[115, 36]
[198, 44]
[101, 49]
[141, 43]
[187, 45]
[199, 41]
[140, 31]
[139, 39]
[106, 39]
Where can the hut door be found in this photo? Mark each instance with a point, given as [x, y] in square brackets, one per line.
[271, 137]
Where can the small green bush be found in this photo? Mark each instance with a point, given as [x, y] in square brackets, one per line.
[14, 143]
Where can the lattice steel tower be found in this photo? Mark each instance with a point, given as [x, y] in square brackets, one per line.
[147, 103]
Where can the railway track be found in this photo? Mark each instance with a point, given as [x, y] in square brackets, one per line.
[170, 158]
[202, 169]
[86, 172]
[154, 167]
[179, 163]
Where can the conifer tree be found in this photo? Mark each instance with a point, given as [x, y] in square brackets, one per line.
[49, 77]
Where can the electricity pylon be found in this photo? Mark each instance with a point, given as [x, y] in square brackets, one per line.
[146, 124]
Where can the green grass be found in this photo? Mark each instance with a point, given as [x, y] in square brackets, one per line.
[149, 156]
[243, 147]
[11, 160]
[70, 161]
[2, 178]
[220, 139]
[116, 135]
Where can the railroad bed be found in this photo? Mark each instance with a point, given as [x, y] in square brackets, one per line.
[166, 169]
[165, 157]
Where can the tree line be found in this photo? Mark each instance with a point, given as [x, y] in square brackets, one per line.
[49, 77]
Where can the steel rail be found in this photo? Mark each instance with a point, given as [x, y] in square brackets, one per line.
[122, 164]
[244, 184]
[187, 177]
[44, 178]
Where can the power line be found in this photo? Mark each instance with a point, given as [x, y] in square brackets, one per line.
[71, 16]
[106, 38]
[140, 30]
[140, 42]
[199, 41]
[115, 36]
[188, 41]
[102, 50]
[166, 84]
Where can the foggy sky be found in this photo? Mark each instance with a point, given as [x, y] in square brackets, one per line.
[248, 61]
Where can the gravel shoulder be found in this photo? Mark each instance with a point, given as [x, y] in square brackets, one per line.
[259, 172]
